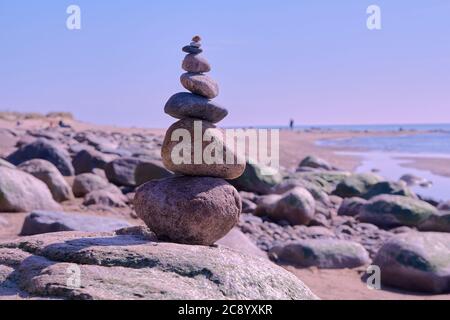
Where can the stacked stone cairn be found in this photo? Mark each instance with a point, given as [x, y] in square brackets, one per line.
[196, 206]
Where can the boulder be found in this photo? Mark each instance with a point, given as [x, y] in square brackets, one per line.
[439, 222]
[389, 187]
[416, 261]
[316, 163]
[88, 159]
[21, 192]
[257, 178]
[189, 210]
[88, 182]
[322, 253]
[205, 155]
[356, 185]
[44, 149]
[389, 211]
[149, 170]
[121, 171]
[39, 222]
[351, 206]
[128, 265]
[50, 175]
[106, 198]
[296, 206]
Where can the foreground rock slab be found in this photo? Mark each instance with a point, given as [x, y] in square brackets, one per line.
[127, 265]
[417, 261]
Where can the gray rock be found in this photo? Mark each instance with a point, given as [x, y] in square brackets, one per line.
[50, 175]
[213, 164]
[121, 171]
[39, 222]
[322, 253]
[356, 185]
[188, 105]
[149, 170]
[118, 266]
[44, 149]
[316, 163]
[444, 206]
[351, 206]
[254, 179]
[21, 192]
[192, 49]
[297, 206]
[389, 187]
[190, 210]
[439, 222]
[200, 84]
[394, 211]
[416, 261]
[105, 198]
[88, 182]
[195, 63]
[87, 160]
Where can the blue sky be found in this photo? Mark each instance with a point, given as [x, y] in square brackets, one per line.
[314, 61]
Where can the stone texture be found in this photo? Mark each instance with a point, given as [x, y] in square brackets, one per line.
[88, 182]
[296, 206]
[254, 180]
[238, 241]
[50, 175]
[4, 163]
[39, 222]
[121, 171]
[315, 163]
[216, 167]
[389, 187]
[200, 84]
[190, 210]
[351, 206]
[44, 149]
[356, 185]
[21, 192]
[149, 170]
[326, 254]
[127, 266]
[87, 160]
[106, 198]
[439, 222]
[196, 63]
[389, 211]
[416, 261]
[188, 105]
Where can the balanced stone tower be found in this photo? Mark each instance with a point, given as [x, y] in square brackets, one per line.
[196, 206]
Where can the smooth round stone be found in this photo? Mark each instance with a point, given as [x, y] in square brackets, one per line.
[200, 84]
[195, 63]
[192, 160]
[188, 105]
[195, 44]
[189, 210]
[192, 49]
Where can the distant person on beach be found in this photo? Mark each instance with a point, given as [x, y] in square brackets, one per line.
[291, 124]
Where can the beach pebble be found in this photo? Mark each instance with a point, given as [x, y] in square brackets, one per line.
[196, 63]
[200, 84]
[188, 105]
[192, 49]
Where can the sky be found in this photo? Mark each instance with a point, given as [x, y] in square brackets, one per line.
[311, 60]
